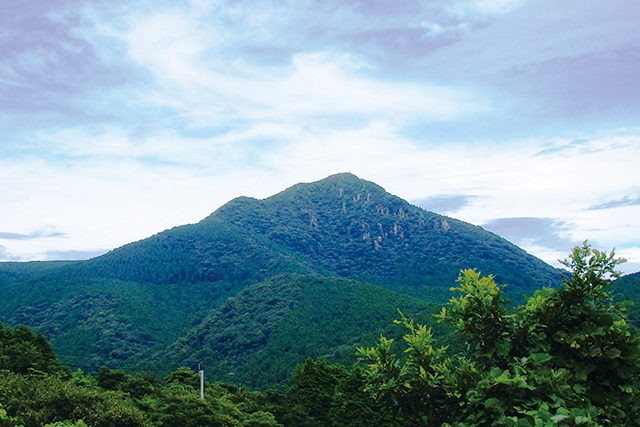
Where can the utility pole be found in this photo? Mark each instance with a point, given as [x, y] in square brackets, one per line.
[201, 372]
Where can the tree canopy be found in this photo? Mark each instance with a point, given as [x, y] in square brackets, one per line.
[566, 357]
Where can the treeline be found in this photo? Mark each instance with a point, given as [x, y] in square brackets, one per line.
[567, 357]
[36, 390]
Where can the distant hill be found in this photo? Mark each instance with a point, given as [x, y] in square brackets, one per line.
[627, 288]
[125, 307]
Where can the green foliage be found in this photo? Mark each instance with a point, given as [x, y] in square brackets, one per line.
[313, 386]
[566, 357]
[333, 396]
[260, 335]
[37, 400]
[179, 404]
[479, 317]
[137, 386]
[78, 423]
[98, 328]
[140, 385]
[110, 380]
[628, 289]
[353, 406]
[412, 387]
[184, 377]
[117, 399]
[180, 407]
[23, 351]
[17, 272]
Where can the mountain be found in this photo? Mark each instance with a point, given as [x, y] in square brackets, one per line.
[342, 226]
[128, 306]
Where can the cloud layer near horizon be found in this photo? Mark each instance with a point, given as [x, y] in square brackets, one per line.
[121, 120]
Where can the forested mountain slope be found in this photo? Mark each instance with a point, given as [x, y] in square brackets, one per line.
[341, 225]
[628, 289]
[260, 335]
[128, 304]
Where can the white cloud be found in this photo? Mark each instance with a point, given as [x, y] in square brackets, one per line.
[322, 84]
[496, 6]
[168, 43]
[632, 255]
[195, 73]
[548, 255]
[479, 10]
[434, 30]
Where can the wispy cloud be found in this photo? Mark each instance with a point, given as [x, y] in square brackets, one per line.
[8, 256]
[72, 255]
[36, 234]
[311, 85]
[496, 6]
[443, 204]
[545, 232]
[633, 200]
[433, 29]
[613, 141]
[565, 148]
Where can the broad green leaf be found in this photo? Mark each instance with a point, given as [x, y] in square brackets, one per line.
[579, 388]
[492, 403]
[538, 358]
[613, 353]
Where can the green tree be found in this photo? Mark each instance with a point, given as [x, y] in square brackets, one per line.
[412, 386]
[140, 385]
[137, 386]
[566, 357]
[180, 406]
[479, 316]
[110, 380]
[23, 351]
[313, 386]
[78, 423]
[353, 406]
[33, 401]
[184, 376]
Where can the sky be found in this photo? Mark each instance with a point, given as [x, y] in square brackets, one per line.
[121, 119]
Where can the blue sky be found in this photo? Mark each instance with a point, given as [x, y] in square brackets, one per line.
[121, 119]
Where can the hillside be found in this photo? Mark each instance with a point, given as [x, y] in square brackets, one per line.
[260, 335]
[627, 288]
[122, 308]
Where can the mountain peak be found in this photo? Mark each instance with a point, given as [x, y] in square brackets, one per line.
[341, 225]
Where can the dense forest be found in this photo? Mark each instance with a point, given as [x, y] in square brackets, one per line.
[315, 270]
[566, 356]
